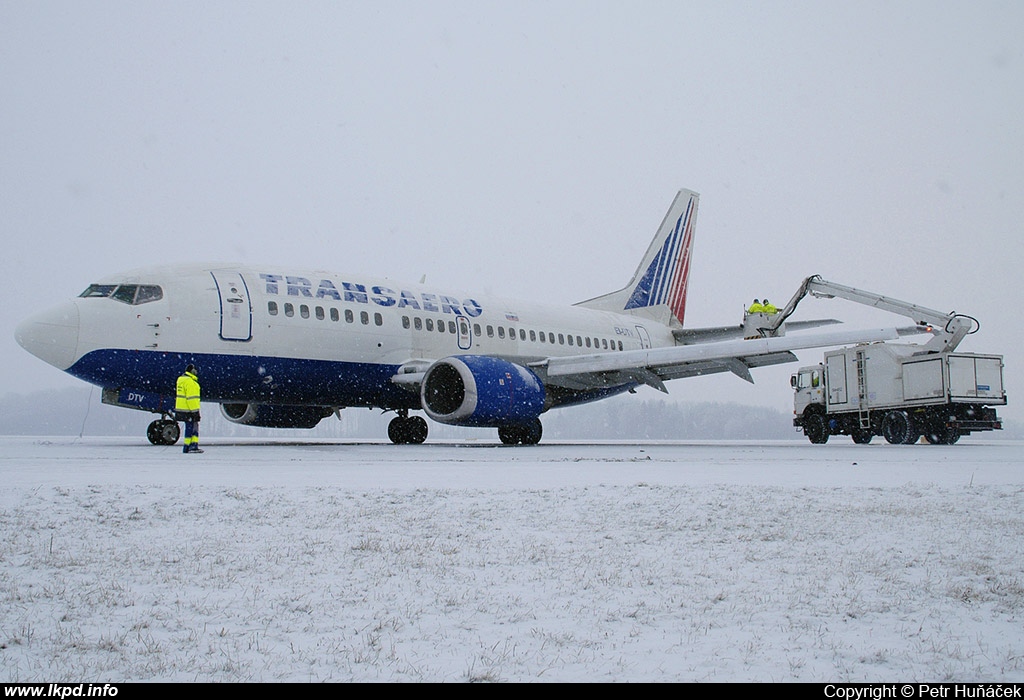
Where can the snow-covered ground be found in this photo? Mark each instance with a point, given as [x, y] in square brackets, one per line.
[266, 560]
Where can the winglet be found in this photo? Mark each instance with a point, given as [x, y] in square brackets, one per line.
[658, 287]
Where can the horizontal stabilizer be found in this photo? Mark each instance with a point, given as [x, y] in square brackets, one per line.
[689, 336]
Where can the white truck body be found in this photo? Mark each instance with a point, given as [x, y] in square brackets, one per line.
[939, 395]
[902, 392]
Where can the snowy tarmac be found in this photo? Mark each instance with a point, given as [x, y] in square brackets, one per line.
[33, 461]
[288, 560]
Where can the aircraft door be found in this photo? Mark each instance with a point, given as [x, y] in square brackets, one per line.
[645, 338]
[235, 306]
[465, 333]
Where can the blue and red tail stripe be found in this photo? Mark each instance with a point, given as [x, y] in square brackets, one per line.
[666, 278]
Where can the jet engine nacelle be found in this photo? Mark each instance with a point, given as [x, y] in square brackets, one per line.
[481, 391]
[271, 416]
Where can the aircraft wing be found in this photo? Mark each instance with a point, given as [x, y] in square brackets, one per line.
[654, 366]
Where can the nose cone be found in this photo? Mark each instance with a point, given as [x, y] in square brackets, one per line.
[52, 335]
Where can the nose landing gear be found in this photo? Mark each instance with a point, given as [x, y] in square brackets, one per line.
[163, 432]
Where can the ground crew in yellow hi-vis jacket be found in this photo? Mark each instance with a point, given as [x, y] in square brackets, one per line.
[186, 408]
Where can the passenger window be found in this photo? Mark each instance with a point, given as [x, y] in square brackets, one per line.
[561, 339]
[451, 327]
[418, 323]
[320, 313]
[349, 316]
[430, 324]
[522, 334]
[364, 318]
[570, 340]
[272, 308]
[335, 316]
[304, 311]
[289, 310]
[490, 331]
[378, 319]
[476, 329]
[405, 322]
[501, 331]
[533, 336]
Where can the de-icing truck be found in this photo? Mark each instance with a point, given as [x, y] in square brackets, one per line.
[901, 392]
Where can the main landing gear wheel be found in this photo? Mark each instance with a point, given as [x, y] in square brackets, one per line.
[521, 433]
[163, 432]
[407, 430]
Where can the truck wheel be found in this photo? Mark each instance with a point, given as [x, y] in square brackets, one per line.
[862, 436]
[816, 429]
[942, 434]
[898, 428]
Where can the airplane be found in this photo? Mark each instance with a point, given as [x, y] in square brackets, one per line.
[278, 347]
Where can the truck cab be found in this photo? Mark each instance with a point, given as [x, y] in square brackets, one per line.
[809, 387]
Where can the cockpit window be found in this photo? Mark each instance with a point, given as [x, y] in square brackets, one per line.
[126, 293]
[98, 290]
[133, 294]
[148, 292]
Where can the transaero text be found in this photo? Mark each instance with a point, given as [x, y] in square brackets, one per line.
[295, 286]
[923, 690]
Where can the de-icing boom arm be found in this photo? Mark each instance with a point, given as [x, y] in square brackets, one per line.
[948, 328]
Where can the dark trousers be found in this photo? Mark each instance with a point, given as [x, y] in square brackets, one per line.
[191, 436]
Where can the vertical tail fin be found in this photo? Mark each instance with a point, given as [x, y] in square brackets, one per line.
[658, 287]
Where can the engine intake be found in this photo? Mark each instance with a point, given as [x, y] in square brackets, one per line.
[271, 416]
[481, 391]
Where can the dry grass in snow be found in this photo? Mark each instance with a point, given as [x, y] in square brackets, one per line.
[640, 582]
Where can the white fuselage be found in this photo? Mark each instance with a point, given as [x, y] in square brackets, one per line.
[269, 334]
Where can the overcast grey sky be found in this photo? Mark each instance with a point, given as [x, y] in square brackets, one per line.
[522, 148]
